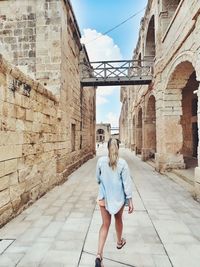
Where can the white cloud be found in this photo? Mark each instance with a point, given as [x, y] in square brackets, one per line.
[113, 119]
[100, 47]
[106, 90]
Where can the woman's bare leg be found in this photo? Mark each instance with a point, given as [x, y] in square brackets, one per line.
[103, 232]
[119, 224]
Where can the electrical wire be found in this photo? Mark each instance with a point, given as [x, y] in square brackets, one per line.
[115, 27]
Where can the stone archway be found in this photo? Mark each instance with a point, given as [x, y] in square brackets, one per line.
[189, 121]
[150, 51]
[150, 130]
[180, 138]
[139, 138]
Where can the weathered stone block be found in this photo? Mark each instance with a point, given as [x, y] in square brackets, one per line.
[29, 115]
[10, 152]
[18, 32]
[28, 31]
[21, 113]
[6, 213]
[10, 40]
[13, 178]
[4, 182]
[10, 166]
[4, 197]
[20, 125]
[8, 138]
[16, 204]
[23, 173]
[16, 191]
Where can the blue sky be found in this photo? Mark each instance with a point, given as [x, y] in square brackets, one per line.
[96, 17]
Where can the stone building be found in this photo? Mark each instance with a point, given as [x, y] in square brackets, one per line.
[103, 132]
[161, 120]
[47, 121]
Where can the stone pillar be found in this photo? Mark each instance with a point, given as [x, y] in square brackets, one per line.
[169, 131]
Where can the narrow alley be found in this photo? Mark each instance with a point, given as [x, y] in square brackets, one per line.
[61, 228]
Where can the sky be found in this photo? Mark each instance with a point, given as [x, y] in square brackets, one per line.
[95, 17]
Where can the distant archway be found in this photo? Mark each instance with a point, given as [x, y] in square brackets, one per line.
[100, 135]
[139, 132]
[133, 134]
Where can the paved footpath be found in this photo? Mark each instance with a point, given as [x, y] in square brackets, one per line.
[61, 228]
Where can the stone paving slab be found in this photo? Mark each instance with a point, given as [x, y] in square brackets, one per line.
[52, 231]
[61, 228]
[143, 246]
[4, 244]
[173, 212]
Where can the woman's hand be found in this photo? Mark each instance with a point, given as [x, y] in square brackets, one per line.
[130, 206]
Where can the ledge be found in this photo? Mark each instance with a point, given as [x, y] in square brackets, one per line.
[16, 73]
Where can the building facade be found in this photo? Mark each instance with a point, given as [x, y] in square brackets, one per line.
[47, 121]
[103, 132]
[161, 120]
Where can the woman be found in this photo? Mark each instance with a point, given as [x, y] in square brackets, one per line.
[115, 190]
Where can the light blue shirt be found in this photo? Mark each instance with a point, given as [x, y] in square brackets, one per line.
[115, 186]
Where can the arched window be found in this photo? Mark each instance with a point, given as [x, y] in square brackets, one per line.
[100, 131]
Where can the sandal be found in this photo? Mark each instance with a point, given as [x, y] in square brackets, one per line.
[121, 244]
[98, 261]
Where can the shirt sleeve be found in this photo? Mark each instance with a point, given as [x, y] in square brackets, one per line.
[127, 182]
[98, 172]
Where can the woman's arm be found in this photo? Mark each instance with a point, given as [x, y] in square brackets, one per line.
[130, 205]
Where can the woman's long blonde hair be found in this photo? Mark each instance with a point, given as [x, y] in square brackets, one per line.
[113, 152]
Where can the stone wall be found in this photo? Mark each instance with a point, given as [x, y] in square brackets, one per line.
[18, 33]
[28, 140]
[45, 134]
[30, 32]
[168, 106]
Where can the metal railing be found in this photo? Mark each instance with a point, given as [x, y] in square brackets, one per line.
[121, 72]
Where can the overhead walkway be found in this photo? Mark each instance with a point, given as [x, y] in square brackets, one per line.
[121, 72]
